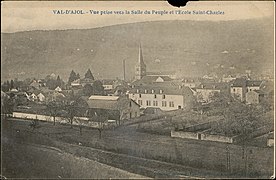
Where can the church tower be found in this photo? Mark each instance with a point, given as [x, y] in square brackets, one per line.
[140, 68]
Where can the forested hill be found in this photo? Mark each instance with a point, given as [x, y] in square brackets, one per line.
[192, 47]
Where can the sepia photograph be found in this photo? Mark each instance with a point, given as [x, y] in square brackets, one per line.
[137, 90]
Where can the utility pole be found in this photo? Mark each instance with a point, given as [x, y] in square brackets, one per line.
[124, 69]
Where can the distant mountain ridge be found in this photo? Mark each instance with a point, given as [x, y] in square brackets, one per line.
[183, 46]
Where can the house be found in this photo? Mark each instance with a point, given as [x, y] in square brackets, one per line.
[82, 82]
[108, 84]
[35, 84]
[55, 96]
[270, 140]
[205, 91]
[240, 86]
[165, 96]
[41, 97]
[253, 85]
[58, 89]
[228, 78]
[114, 107]
[33, 97]
[190, 82]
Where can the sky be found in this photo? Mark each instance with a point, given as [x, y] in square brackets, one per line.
[26, 16]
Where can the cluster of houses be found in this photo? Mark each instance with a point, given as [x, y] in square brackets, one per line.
[157, 90]
[164, 91]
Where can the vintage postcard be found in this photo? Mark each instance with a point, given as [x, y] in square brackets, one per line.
[137, 89]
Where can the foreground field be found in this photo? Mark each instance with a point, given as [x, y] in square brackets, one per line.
[34, 161]
[121, 148]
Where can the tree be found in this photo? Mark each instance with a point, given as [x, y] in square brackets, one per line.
[98, 88]
[72, 108]
[7, 105]
[89, 74]
[87, 90]
[78, 76]
[101, 120]
[12, 84]
[54, 108]
[73, 76]
[59, 82]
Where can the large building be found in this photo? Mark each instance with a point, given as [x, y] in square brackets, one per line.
[162, 95]
[114, 107]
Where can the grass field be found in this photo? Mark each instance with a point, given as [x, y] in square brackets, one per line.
[209, 157]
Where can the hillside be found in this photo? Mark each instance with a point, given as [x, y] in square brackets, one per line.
[185, 46]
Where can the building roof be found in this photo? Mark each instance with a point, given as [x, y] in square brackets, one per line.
[219, 86]
[108, 81]
[151, 79]
[251, 83]
[161, 88]
[239, 82]
[106, 102]
[108, 98]
[159, 73]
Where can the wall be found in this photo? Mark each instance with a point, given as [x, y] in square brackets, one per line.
[182, 134]
[252, 97]
[77, 120]
[270, 142]
[210, 137]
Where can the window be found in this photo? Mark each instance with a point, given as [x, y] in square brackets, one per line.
[146, 91]
[140, 95]
[155, 103]
[148, 103]
[140, 102]
[155, 96]
[164, 96]
[171, 104]
[164, 103]
[234, 90]
[130, 104]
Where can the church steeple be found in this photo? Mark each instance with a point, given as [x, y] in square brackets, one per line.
[140, 68]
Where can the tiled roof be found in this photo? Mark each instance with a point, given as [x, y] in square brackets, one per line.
[161, 88]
